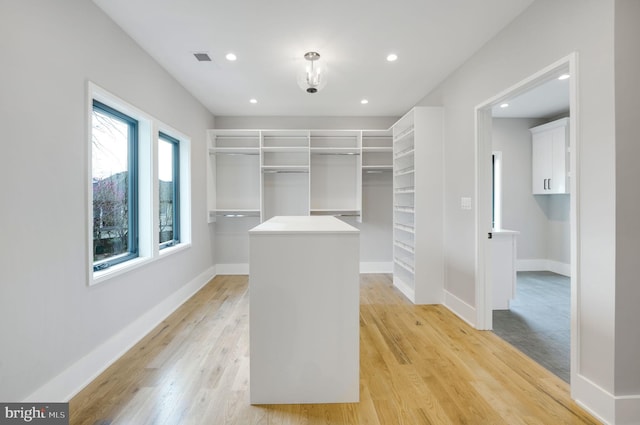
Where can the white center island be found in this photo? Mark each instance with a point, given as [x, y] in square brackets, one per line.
[304, 311]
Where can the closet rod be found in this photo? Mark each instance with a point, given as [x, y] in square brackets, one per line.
[334, 153]
[285, 171]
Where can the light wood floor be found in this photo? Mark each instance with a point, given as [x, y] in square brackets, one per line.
[418, 365]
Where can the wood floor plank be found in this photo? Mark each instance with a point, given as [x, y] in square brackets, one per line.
[418, 365]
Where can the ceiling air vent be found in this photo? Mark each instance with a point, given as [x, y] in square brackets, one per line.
[202, 57]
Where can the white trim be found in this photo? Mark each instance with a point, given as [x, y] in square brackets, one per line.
[376, 267]
[68, 383]
[627, 409]
[365, 267]
[460, 308]
[406, 290]
[241, 268]
[540, 264]
[593, 398]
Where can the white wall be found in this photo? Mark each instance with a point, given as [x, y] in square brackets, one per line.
[49, 317]
[376, 228]
[546, 32]
[627, 337]
[542, 220]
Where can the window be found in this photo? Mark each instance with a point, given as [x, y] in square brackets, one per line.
[114, 183]
[138, 187]
[169, 190]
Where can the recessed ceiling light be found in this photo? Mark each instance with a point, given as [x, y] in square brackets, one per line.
[563, 77]
[504, 105]
[364, 101]
[392, 57]
[231, 57]
[253, 100]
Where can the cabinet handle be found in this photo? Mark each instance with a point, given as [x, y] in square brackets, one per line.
[544, 184]
[549, 184]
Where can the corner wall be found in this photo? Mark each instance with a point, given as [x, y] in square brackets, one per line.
[49, 318]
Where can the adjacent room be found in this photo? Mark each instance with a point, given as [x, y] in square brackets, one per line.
[288, 212]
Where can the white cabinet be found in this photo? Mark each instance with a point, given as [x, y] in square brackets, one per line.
[550, 158]
[503, 260]
[417, 205]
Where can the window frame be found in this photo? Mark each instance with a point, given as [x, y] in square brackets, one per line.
[175, 145]
[132, 186]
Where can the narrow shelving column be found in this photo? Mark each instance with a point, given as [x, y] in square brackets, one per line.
[417, 205]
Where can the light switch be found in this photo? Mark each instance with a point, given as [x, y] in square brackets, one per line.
[465, 203]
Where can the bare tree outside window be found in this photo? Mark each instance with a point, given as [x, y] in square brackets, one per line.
[110, 144]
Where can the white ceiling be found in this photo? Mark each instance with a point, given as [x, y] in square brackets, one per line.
[431, 38]
[547, 100]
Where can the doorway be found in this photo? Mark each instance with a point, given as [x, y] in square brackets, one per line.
[485, 195]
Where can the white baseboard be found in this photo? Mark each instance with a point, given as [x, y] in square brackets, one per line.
[68, 383]
[460, 308]
[628, 410]
[610, 409]
[240, 268]
[407, 290]
[379, 267]
[541, 264]
[365, 267]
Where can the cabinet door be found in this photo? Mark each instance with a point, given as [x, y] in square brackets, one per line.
[558, 181]
[542, 151]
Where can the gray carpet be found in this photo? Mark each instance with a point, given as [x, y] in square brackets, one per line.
[538, 322]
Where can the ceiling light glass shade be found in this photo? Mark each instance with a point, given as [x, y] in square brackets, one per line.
[314, 77]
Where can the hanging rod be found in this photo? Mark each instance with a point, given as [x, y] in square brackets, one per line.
[285, 171]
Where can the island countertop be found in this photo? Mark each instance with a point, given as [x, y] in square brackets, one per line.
[303, 224]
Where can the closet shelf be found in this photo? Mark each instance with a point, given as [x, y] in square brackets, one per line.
[285, 149]
[404, 246]
[407, 132]
[404, 265]
[404, 228]
[377, 149]
[404, 209]
[285, 168]
[404, 171]
[335, 151]
[402, 190]
[376, 169]
[335, 212]
[405, 153]
[234, 151]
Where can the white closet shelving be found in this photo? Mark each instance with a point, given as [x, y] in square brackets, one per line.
[233, 174]
[377, 151]
[284, 173]
[335, 172]
[417, 205]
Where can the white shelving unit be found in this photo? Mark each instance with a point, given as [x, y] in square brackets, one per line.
[284, 173]
[233, 174]
[418, 258]
[256, 174]
[336, 187]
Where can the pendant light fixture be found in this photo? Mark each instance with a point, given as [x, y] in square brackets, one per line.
[314, 77]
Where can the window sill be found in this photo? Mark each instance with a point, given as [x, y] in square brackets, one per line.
[122, 268]
[174, 249]
[116, 270]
